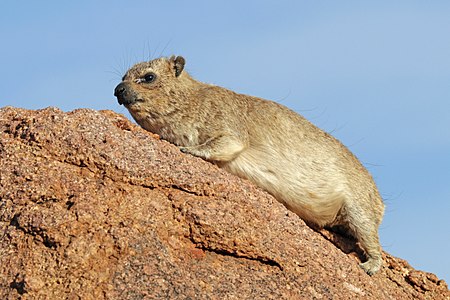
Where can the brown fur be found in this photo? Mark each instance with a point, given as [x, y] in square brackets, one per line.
[306, 169]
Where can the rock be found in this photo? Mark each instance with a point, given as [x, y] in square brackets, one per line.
[94, 207]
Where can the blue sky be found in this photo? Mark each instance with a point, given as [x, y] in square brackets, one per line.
[374, 74]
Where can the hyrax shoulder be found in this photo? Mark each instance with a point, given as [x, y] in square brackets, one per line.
[306, 169]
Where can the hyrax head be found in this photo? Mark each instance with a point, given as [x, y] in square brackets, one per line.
[149, 83]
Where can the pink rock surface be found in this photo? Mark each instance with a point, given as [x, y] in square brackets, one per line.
[94, 207]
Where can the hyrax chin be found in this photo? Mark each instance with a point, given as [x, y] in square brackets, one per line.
[306, 169]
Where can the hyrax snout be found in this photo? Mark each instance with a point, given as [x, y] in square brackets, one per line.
[303, 167]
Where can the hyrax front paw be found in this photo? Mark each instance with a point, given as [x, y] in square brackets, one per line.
[184, 149]
[195, 151]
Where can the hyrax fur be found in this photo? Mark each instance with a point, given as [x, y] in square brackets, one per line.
[304, 168]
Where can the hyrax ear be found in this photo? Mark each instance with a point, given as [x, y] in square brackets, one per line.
[178, 63]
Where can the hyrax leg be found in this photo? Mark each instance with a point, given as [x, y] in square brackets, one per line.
[221, 148]
[366, 232]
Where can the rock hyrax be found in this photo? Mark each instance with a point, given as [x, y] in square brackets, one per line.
[306, 169]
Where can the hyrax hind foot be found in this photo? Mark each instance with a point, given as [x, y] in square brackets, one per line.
[372, 265]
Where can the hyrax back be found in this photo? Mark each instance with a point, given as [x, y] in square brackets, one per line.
[306, 169]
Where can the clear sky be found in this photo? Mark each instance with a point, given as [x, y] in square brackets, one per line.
[376, 74]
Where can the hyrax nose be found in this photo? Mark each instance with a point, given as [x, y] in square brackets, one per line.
[121, 93]
[119, 90]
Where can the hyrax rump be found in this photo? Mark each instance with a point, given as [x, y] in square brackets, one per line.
[304, 168]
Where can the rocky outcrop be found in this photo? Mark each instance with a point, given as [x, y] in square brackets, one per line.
[94, 207]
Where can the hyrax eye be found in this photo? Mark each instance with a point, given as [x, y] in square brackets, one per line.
[149, 77]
